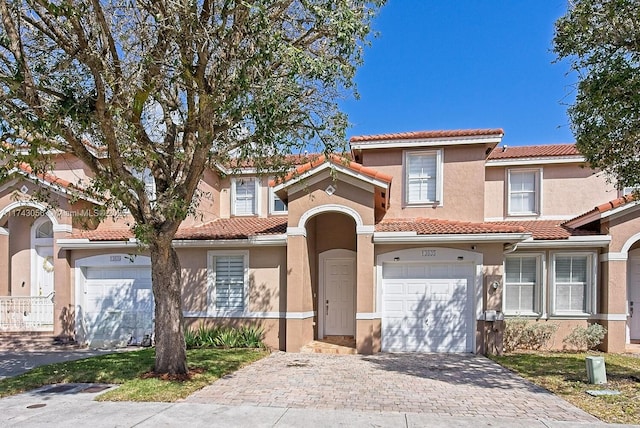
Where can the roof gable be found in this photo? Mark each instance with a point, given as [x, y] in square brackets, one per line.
[337, 163]
[607, 209]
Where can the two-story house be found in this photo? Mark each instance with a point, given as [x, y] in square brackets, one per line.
[420, 241]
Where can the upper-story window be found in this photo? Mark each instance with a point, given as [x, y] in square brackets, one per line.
[149, 181]
[524, 191]
[276, 205]
[423, 177]
[244, 196]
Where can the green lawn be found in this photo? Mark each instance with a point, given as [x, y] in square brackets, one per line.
[131, 371]
[565, 374]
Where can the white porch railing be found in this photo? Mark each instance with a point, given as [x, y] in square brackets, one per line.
[26, 313]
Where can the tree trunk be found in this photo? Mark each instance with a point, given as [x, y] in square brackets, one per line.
[171, 351]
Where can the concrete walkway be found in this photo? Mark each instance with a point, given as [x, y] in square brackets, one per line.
[74, 406]
[450, 385]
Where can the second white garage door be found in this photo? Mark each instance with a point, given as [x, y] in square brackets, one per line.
[118, 304]
[427, 307]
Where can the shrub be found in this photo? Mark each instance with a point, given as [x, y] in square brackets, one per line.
[585, 338]
[520, 333]
[213, 337]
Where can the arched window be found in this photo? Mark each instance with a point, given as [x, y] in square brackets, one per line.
[45, 229]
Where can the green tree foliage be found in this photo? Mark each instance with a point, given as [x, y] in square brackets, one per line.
[169, 87]
[601, 38]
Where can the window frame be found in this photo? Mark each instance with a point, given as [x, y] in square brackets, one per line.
[537, 210]
[439, 156]
[256, 196]
[539, 286]
[211, 281]
[272, 200]
[590, 286]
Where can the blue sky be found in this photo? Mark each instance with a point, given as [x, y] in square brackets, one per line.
[441, 64]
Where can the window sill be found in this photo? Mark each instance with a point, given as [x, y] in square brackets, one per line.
[524, 214]
[422, 204]
[570, 315]
[522, 315]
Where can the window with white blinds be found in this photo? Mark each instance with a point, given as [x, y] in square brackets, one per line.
[524, 192]
[423, 177]
[229, 282]
[244, 192]
[522, 285]
[572, 283]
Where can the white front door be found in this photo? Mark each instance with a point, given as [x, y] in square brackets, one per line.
[339, 294]
[43, 284]
[633, 320]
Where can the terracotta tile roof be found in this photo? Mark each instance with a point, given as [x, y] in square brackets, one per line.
[235, 228]
[227, 228]
[607, 206]
[542, 151]
[427, 226]
[104, 235]
[336, 160]
[427, 134]
[49, 178]
[546, 229]
[286, 160]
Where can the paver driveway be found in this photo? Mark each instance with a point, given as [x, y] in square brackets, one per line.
[440, 384]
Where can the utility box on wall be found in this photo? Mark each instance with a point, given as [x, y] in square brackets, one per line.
[596, 372]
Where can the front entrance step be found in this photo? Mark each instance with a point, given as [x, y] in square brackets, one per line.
[33, 341]
[341, 345]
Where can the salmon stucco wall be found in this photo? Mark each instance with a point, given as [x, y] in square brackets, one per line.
[463, 190]
[567, 190]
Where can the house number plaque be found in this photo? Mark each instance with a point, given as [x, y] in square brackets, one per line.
[428, 253]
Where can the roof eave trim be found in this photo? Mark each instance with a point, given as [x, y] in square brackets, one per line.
[413, 237]
[582, 220]
[597, 215]
[83, 243]
[534, 161]
[425, 142]
[258, 240]
[599, 241]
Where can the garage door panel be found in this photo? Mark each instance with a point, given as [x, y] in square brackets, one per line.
[118, 304]
[427, 314]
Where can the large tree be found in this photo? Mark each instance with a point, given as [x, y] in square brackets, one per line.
[601, 38]
[169, 87]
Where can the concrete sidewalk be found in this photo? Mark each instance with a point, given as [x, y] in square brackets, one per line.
[73, 406]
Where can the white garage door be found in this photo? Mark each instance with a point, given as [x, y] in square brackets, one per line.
[118, 304]
[427, 307]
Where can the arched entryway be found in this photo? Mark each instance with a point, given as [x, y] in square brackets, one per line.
[42, 276]
[331, 241]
